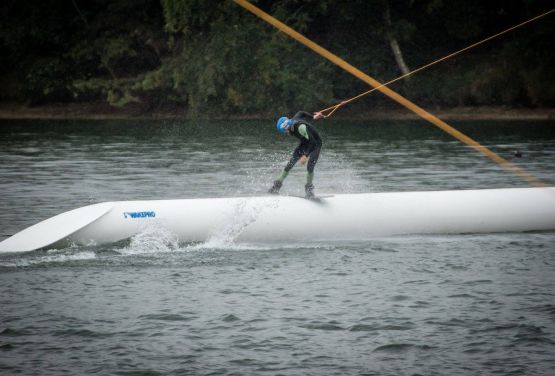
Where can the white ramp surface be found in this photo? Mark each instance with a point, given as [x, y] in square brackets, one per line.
[282, 218]
[52, 230]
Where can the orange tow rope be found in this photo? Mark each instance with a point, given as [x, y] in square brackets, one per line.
[334, 108]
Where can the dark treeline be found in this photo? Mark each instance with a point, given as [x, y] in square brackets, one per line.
[211, 56]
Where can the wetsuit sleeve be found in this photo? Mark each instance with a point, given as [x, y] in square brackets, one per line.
[303, 115]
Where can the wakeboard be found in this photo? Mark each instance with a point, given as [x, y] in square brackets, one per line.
[317, 199]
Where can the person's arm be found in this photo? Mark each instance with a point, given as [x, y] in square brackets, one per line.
[318, 115]
[303, 115]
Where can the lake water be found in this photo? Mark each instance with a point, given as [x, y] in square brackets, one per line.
[429, 305]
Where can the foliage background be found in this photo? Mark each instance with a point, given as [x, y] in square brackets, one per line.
[213, 57]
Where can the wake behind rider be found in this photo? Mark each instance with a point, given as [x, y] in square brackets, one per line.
[308, 149]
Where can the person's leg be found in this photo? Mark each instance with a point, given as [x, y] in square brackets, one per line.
[279, 182]
[297, 153]
[313, 159]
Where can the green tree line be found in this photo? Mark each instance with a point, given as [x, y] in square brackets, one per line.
[212, 56]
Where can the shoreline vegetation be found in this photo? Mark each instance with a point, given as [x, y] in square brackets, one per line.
[103, 111]
[212, 59]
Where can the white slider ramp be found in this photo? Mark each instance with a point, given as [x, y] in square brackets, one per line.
[55, 229]
[284, 218]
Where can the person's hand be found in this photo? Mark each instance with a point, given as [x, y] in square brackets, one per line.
[318, 115]
[303, 160]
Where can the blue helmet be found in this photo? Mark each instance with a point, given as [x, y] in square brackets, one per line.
[283, 124]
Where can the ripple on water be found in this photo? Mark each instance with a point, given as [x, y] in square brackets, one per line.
[166, 317]
[83, 333]
[401, 347]
[230, 318]
[318, 325]
[378, 327]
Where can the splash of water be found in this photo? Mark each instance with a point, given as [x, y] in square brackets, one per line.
[52, 256]
[155, 238]
[245, 213]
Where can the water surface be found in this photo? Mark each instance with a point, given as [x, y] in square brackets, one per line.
[433, 305]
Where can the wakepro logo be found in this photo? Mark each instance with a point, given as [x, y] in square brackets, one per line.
[143, 214]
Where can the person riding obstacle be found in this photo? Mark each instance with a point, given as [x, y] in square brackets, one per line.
[308, 150]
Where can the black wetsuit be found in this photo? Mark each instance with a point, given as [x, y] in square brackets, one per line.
[311, 143]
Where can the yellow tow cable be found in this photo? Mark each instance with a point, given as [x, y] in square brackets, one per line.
[342, 103]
